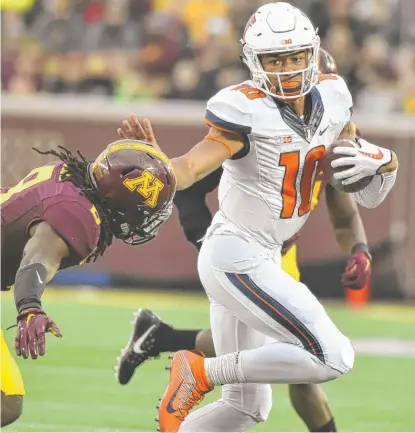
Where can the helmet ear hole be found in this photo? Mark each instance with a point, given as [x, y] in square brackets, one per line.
[127, 171]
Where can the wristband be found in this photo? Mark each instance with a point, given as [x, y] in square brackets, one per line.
[29, 286]
[362, 247]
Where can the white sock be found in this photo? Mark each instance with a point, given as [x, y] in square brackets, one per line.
[224, 369]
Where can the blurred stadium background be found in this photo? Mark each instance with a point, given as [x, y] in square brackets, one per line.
[72, 70]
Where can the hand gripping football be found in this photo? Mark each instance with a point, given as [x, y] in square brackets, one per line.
[329, 171]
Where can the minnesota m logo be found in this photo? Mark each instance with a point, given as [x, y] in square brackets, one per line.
[147, 185]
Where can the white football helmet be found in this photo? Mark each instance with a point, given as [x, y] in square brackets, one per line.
[280, 28]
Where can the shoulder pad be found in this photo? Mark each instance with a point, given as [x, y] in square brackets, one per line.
[337, 89]
[231, 108]
[77, 222]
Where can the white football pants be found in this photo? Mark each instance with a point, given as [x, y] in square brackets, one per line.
[281, 330]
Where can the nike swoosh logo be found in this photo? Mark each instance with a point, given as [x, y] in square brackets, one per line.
[38, 277]
[324, 130]
[378, 155]
[170, 408]
[142, 339]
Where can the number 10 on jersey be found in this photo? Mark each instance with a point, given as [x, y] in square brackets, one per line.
[291, 163]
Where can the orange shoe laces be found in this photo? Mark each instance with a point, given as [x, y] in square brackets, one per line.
[195, 398]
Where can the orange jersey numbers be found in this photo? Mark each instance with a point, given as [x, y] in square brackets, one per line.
[38, 175]
[147, 185]
[290, 195]
[250, 92]
[291, 162]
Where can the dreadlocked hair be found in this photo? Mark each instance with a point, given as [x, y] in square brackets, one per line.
[77, 173]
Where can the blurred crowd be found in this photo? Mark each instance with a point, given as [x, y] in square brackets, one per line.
[188, 49]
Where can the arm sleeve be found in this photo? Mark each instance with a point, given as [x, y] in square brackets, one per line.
[194, 214]
[377, 190]
[75, 224]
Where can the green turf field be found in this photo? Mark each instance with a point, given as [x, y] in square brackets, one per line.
[73, 387]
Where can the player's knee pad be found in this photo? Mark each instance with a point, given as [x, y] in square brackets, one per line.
[255, 400]
[347, 355]
[341, 356]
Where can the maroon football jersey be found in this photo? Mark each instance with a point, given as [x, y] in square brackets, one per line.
[41, 196]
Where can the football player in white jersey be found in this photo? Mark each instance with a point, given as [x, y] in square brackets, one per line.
[269, 133]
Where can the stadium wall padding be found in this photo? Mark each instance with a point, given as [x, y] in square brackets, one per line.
[170, 259]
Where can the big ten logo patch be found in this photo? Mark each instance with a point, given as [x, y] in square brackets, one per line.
[146, 185]
[284, 139]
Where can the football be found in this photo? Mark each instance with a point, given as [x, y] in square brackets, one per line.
[329, 171]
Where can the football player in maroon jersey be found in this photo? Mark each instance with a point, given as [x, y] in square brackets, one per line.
[67, 213]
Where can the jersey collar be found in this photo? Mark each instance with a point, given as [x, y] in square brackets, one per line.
[308, 126]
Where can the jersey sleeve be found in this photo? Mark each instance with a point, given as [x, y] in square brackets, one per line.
[344, 95]
[229, 110]
[75, 223]
[340, 94]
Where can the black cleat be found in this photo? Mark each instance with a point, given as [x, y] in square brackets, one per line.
[140, 347]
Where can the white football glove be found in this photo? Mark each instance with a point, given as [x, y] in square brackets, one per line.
[365, 159]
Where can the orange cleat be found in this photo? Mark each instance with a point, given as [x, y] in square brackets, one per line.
[187, 388]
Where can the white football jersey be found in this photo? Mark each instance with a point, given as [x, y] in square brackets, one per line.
[266, 189]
